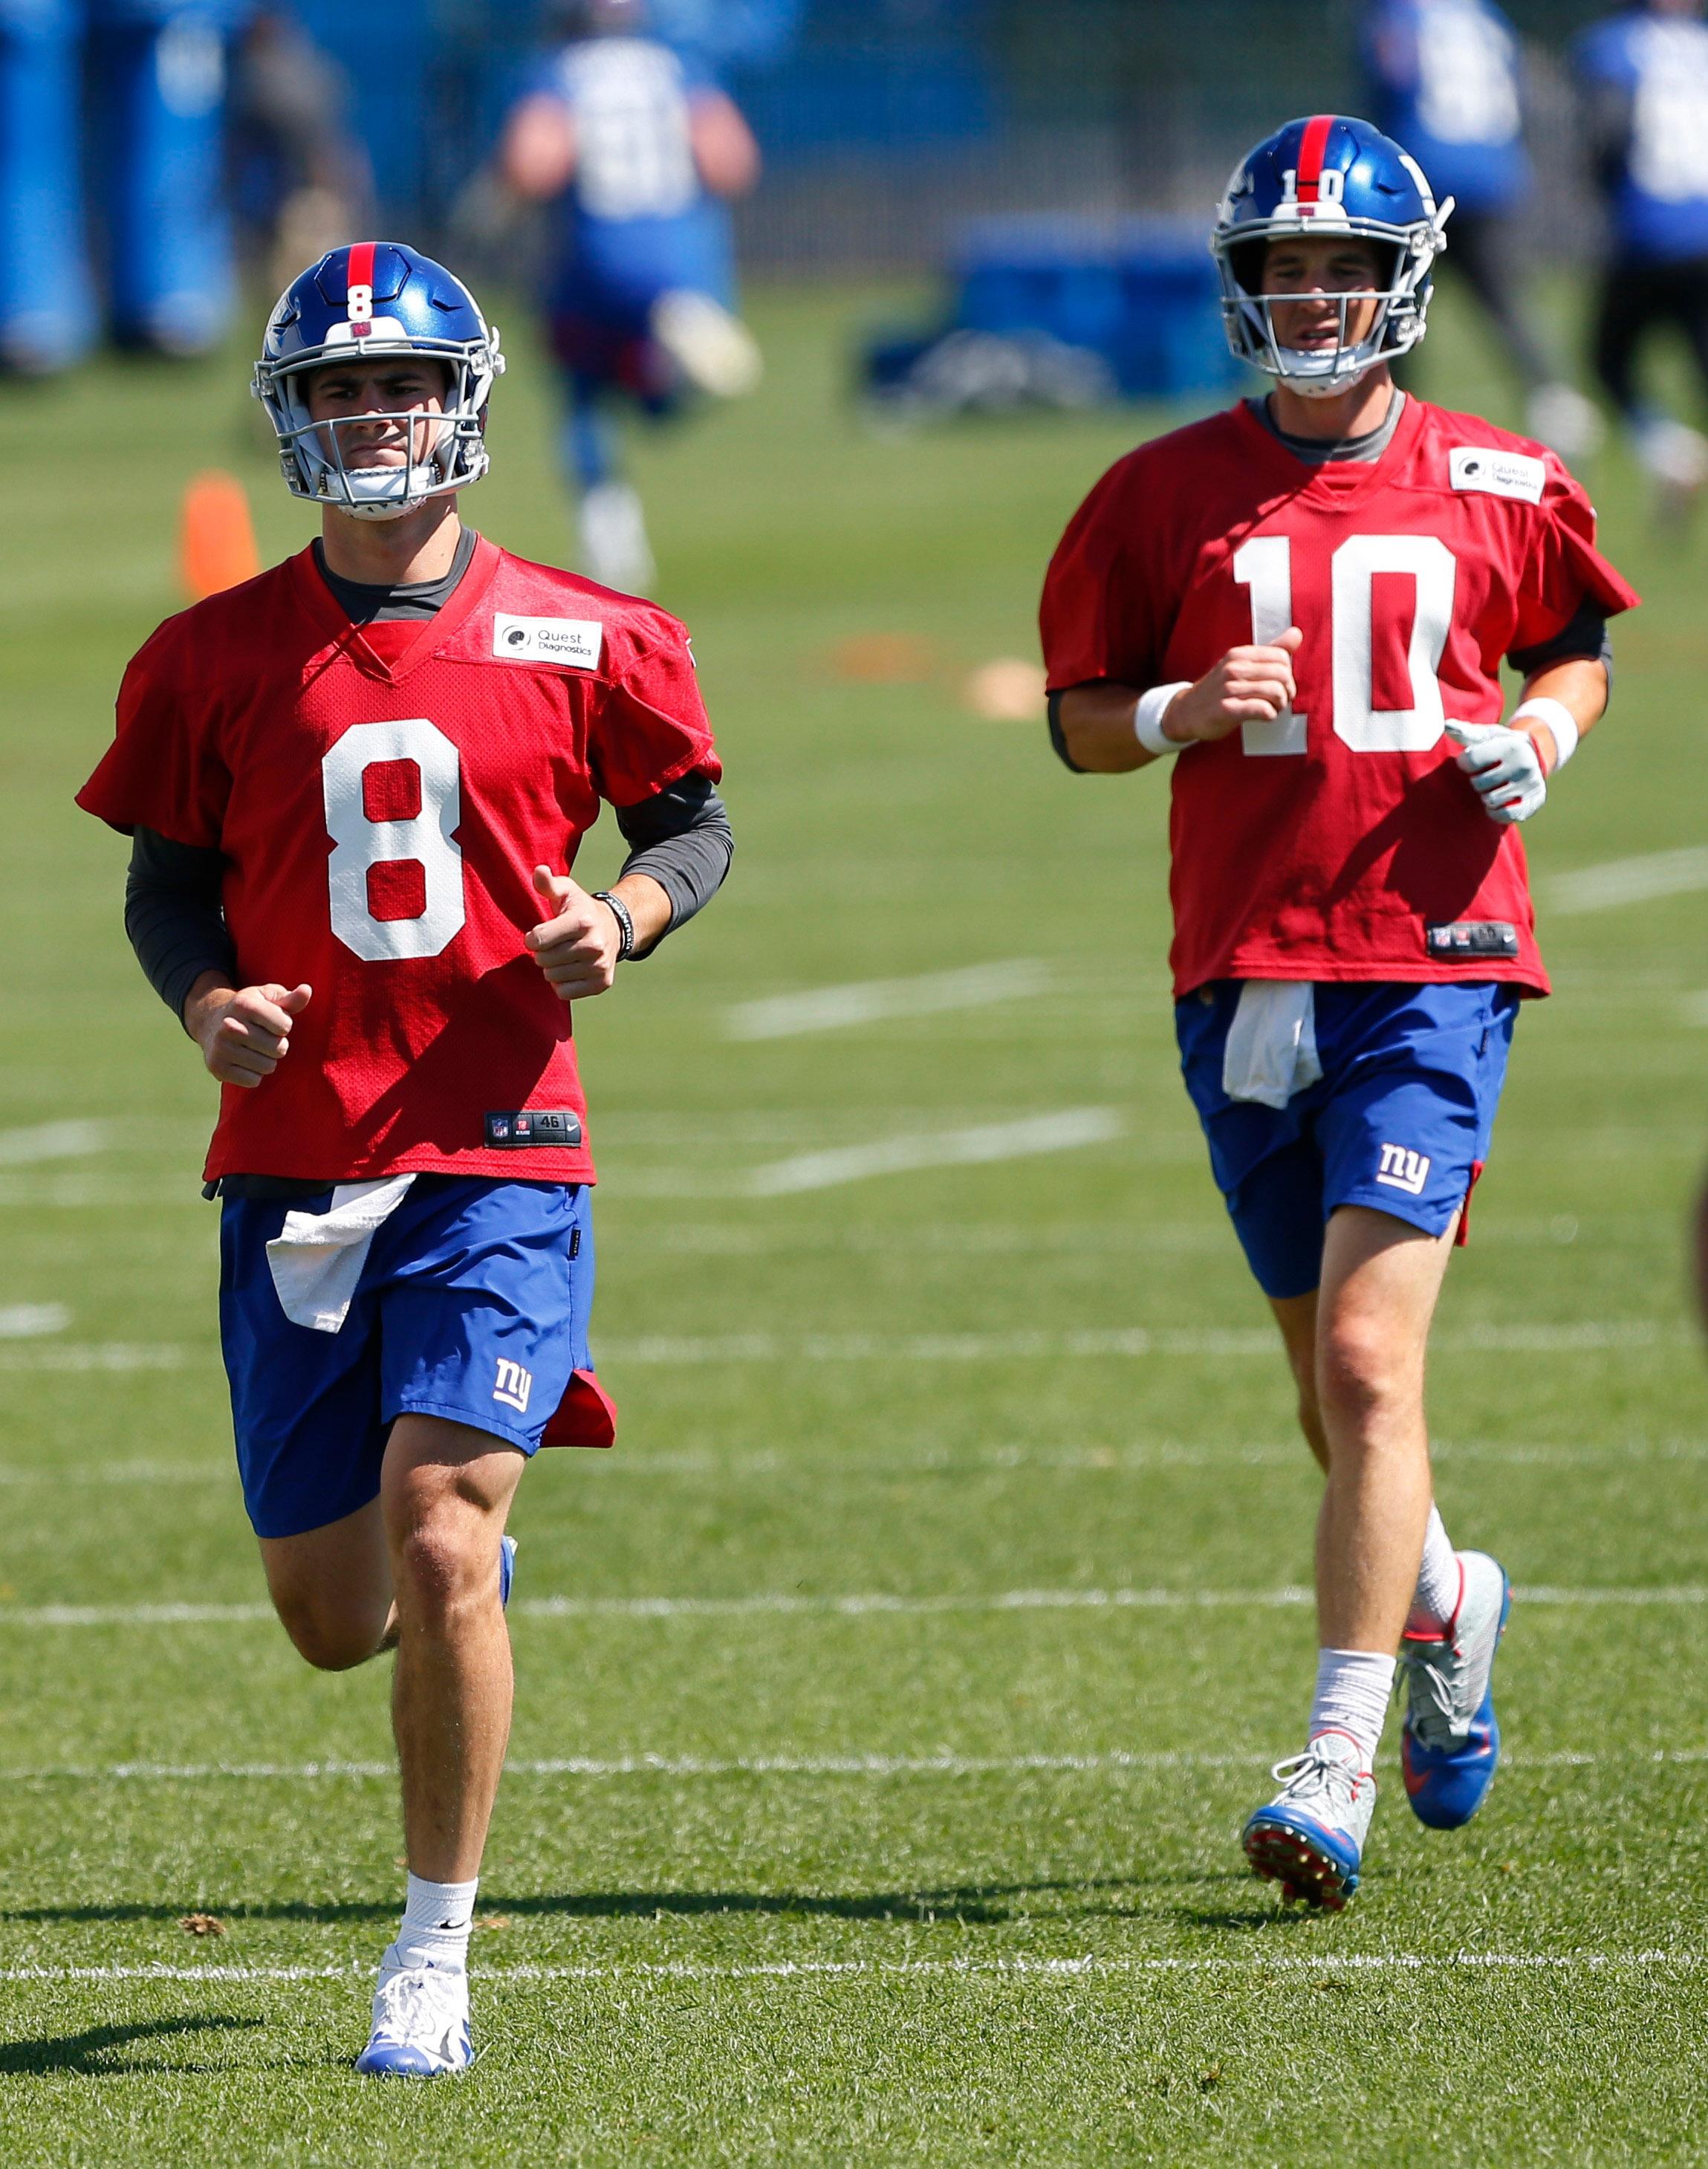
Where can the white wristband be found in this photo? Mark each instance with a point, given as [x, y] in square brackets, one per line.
[1563, 725]
[1147, 718]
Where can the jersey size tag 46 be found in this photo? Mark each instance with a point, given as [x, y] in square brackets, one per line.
[1497, 474]
[576, 643]
[517, 1128]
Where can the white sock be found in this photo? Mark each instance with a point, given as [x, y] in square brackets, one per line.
[437, 1917]
[1353, 1690]
[1439, 1582]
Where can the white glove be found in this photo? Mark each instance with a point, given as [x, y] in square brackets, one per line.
[1505, 768]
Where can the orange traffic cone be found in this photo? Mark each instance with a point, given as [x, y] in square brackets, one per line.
[217, 538]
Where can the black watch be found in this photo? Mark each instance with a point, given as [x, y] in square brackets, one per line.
[625, 926]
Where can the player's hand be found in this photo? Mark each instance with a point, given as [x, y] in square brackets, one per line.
[244, 1033]
[577, 946]
[1506, 768]
[1249, 685]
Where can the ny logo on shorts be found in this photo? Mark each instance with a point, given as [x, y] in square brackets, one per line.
[515, 1384]
[1400, 1169]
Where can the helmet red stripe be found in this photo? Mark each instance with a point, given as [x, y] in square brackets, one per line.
[1311, 155]
[360, 272]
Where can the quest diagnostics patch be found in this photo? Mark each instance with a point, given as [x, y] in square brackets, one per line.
[576, 643]
[1497, 474]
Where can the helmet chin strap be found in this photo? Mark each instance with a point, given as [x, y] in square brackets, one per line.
[370, 492]
[1329, 387]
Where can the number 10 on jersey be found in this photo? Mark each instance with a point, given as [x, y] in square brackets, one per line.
[1264, 565]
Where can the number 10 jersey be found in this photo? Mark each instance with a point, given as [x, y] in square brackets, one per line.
[1324, 845]
[381, 794]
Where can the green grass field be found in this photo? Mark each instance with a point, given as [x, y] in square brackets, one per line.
[837, 1854]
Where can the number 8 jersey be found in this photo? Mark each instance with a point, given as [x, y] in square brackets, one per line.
[381, 796]
[1323, 845]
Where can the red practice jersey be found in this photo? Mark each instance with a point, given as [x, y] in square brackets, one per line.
[1323, 845]
[382, 795]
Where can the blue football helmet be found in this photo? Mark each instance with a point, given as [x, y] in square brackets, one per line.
[377, 298]
[1320, 178]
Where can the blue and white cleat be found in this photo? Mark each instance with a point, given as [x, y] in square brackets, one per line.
[421, 2024]
[1450, 1742]
[1309, 1838]
[507, 1567]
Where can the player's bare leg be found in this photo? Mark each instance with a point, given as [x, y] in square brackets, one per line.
[1361, 1404]
[445, 1491]
[332, 1589]
[1435, 1598]
[1381, 1280]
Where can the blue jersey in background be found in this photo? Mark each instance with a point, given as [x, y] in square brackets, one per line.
[635, 220]
[1445, 79]
[1646, 77]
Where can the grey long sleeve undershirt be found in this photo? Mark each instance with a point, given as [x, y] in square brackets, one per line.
[682, 838]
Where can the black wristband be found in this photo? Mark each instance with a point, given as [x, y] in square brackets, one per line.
[625, 926]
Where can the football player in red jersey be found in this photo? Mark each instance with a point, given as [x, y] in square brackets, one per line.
[1303, 605]
[356, 787]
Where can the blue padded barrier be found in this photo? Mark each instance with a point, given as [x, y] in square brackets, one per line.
[47, 310]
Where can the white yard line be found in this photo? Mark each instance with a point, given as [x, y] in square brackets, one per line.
[29, 1321]
[977, 1146]
[871, 1603]
[51, 1140]
[1114, 1762]
[1630, 880]
[1694, 1008]
[1122, 1340]
[869, 1001]
[1215, 1343]
[100, 1356]
[1034, 1967]
[1134, 1460]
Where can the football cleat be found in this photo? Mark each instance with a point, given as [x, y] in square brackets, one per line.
[507, 1567]
[713, 350]
[421, 2024]
[1450, 1742]
[614, 547]
[1675, 458]
[1309, 1838]
[1560, 417]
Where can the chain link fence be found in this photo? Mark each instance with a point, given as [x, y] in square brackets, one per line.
[886, 123]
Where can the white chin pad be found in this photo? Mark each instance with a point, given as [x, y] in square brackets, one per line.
[381, 493]
[1327, 387]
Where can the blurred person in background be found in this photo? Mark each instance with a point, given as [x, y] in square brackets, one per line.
[301, 180]
[640, 157]
[1643, 76]
[1446, 84]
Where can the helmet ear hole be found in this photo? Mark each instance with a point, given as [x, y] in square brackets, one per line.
[1245, 259]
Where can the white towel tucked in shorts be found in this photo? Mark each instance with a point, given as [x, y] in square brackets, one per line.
[1271, 1050]
[318, 1258]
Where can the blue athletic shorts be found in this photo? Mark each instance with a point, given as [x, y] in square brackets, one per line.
[472, 1304]
[1400, 1119]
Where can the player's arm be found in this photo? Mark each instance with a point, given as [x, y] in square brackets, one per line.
[578, 945]
[1565, 695]
[537, 151]
[680, 846]
[725, 154]
[174, 923]
[1108, 728]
